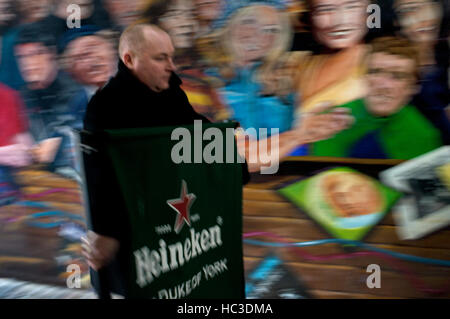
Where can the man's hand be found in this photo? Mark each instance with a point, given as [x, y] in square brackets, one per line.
[323, 123]
[46, 150]
[99, 250]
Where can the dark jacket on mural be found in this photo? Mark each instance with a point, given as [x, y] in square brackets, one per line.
[48, 112]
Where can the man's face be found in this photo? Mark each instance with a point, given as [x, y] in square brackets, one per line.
[92, 60]
[419, 19]
[390, 81]
[179, 22]
[339, 24]
[154, 65]
[124, 12]
[37, 64]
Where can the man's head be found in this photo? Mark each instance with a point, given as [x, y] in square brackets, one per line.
[36, 55]
[148, 52]
[391, 76]
[338, 24]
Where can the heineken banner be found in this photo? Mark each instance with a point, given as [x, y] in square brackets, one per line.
[185, 210]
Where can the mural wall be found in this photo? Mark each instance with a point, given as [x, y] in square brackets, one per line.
[265, 64]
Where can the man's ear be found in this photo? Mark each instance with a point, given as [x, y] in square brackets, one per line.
[128, 60]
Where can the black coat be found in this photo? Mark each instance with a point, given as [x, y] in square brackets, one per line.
[125, 102]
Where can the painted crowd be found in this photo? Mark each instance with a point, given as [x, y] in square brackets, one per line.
[265, 64]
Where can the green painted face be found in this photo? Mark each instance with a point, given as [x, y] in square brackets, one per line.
[391, 82]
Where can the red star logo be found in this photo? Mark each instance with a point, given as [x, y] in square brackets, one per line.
[182, 206]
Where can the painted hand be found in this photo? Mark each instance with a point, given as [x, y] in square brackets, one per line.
[16, 155]
[323, 123]
[46, 150]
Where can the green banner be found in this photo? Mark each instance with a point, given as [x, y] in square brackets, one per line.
[186, 218]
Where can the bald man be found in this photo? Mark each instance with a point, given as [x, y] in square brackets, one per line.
[145, 92]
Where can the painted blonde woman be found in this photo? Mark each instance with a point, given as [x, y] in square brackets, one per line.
[254, 42]
[254, 39]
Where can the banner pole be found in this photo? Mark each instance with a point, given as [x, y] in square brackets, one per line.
[103, 292]
[100, 276]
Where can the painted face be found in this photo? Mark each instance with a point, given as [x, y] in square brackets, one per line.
[154, 65]
[254, 33]
[37, 64]
[390, 80]
[124, 12]
[351, 195]
[207, 10]
[179, 22]
[92, 60]
[339, 24]
[419, 19]
[6, 12]
[34, 10]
